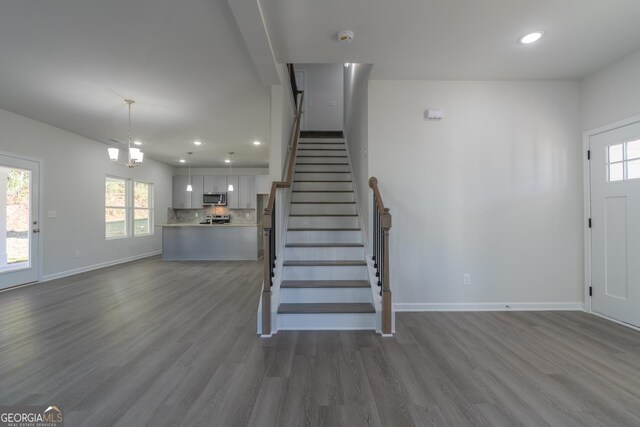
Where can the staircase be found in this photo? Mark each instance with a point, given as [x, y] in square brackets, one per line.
[324, 277]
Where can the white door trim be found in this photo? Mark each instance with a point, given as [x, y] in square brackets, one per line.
[586, 173]
[40, 205]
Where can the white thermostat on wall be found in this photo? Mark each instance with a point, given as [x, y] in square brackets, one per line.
[433, 114]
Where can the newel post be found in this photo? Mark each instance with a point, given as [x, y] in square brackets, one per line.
[385, 222]
[266, 290]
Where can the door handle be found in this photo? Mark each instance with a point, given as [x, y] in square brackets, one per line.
[36, 230]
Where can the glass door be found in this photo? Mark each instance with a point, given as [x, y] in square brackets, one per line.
[19, 221]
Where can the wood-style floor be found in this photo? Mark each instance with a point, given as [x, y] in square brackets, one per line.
[174, 343]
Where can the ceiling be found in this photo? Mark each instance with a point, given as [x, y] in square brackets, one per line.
[201, 70]
[457, 39]
[71, 63]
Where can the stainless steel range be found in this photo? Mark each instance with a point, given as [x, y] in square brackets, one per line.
[217, 219]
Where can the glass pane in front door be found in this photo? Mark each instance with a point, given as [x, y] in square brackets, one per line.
[15, 218]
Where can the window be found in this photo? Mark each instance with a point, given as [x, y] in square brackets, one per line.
[115, 208]
[623, 161]
[128, 208]
[142, 208]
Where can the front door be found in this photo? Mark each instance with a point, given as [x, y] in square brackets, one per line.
[615, 233]
[19, 221]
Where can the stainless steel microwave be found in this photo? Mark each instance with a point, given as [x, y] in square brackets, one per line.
[218, 199]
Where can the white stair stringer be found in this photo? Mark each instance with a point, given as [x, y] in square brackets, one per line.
[324, 263]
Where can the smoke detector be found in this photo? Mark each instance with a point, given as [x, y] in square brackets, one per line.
[345, 37]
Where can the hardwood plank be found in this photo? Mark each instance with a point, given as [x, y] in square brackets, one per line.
[174, 343]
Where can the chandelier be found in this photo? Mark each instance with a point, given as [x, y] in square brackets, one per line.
[135, 156]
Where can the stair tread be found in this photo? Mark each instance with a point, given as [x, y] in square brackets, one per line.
[326, 307]
[322, 172]
[325, 245]
[319, 214]
[323, 229]
[323, 203]
[323, 164]
[325, 263]
[322, 149]
[325, 284]
[322, 191]
[318, 180]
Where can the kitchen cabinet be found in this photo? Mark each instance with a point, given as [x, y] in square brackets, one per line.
[181, 197]
[215, 184]
[263, 184]
[197, 182]
[247, 192]
[233, 199]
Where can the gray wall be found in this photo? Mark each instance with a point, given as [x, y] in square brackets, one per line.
[493, 190]
[324, 86]
[612, 93]
[74, 170]
[356, 80]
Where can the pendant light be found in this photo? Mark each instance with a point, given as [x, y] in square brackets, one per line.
[230, 188]
[189, 187]
[135, 156]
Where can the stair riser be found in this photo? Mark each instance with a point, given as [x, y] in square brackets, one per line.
[336, 146]
[339, 321]
[323, 197]
[324, 237]
[332, 176]
[325, 186]
[323, 222]
[322, 168]
[352, 272]
[323, 209]
[320, 295]
[323, 140]
[302, 151]
[315, 253]
[312, 160]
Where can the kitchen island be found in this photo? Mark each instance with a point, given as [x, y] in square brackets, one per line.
[199, 242]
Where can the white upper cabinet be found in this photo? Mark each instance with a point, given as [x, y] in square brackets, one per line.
[247, 192]
[215, 184]
[263, 184]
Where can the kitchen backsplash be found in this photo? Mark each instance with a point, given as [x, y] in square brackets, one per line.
[194, 216]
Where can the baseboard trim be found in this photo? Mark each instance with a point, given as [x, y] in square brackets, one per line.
[111, 263]
[497, 306]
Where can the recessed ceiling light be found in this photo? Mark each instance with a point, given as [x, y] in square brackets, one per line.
[137, 142]
[182, 160]
[197, 142]
[227, 160]
[531, 37]
[256, 142]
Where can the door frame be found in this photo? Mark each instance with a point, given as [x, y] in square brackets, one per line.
[586, 174]
[40, 163]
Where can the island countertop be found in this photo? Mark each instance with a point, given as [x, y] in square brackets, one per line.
[211, 242]
[207, 225]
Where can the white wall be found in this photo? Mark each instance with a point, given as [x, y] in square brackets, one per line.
[356, 79]
[282, 116]
[493, 190]
[612, 93]
[323, 87]
[74, 170]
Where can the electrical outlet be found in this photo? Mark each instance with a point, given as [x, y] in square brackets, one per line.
[467, 279]
[52, 214]
[77, 253]
[366, 151]
[332, 103]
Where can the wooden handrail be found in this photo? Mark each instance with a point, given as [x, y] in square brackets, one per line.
[381, 227]
[373, 183]
[269, 222]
